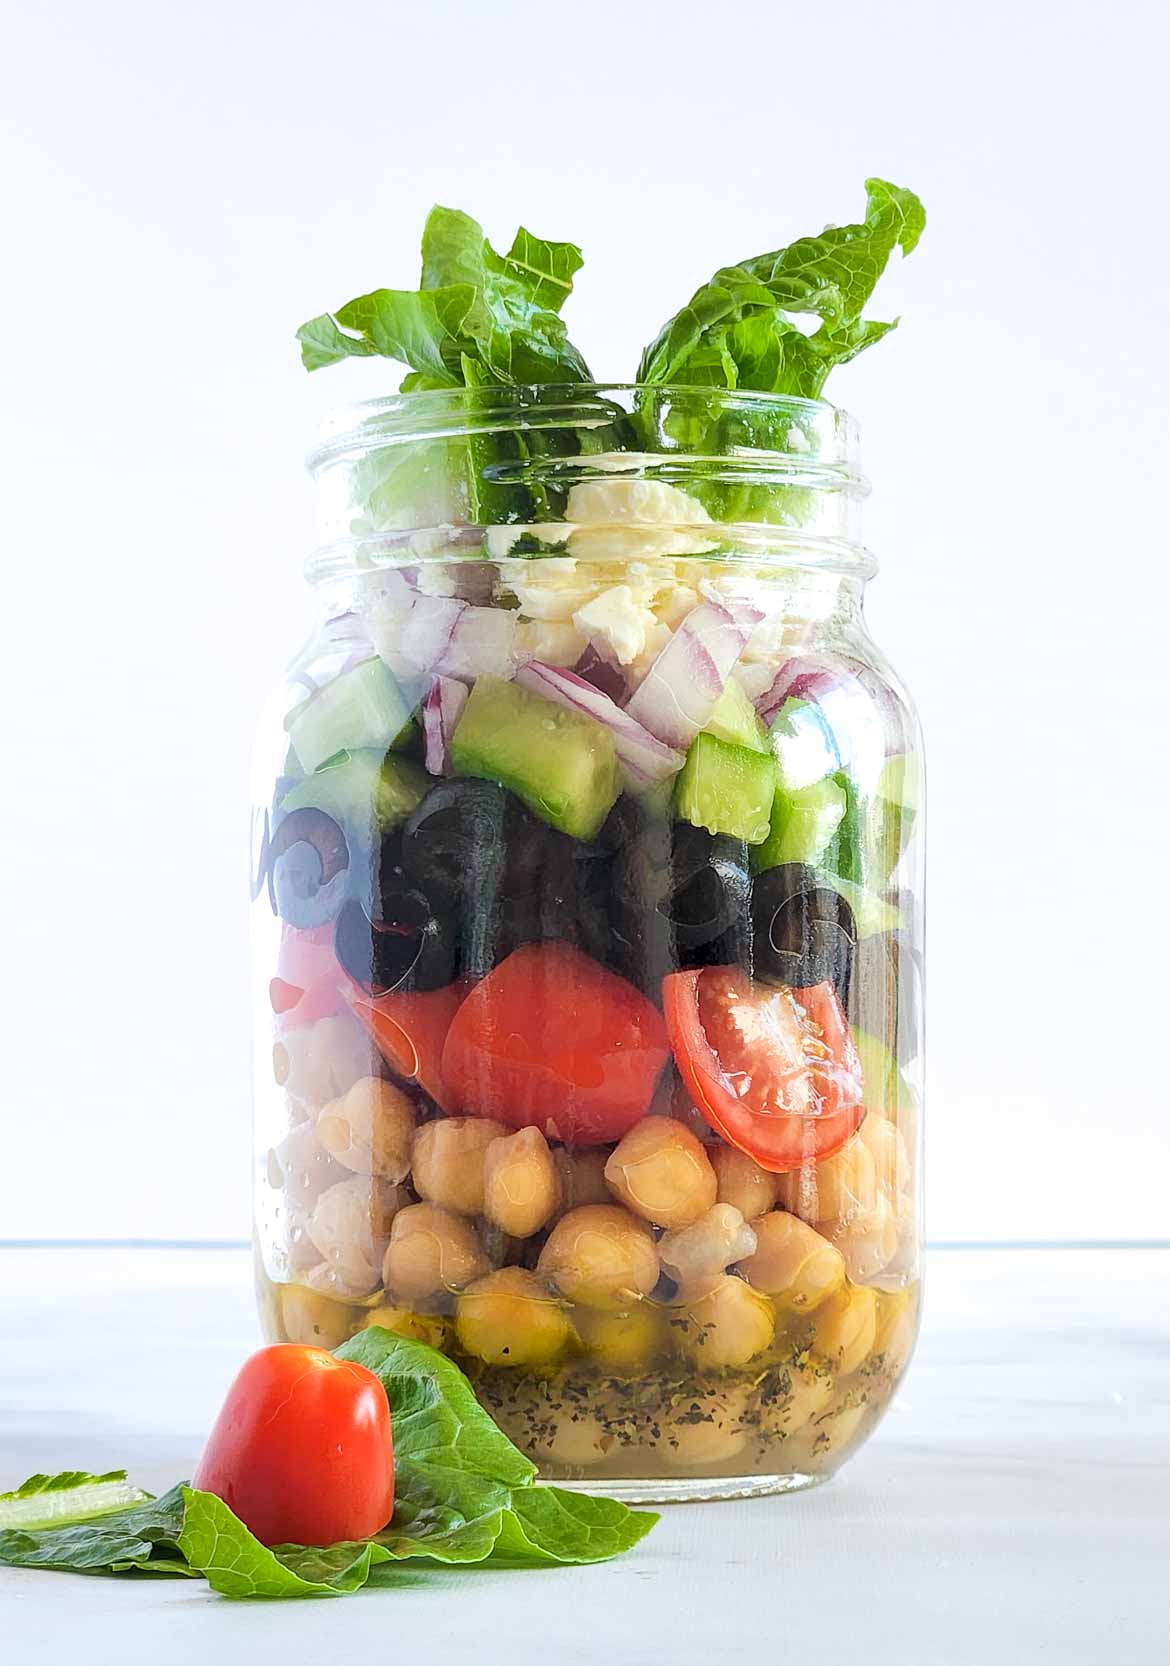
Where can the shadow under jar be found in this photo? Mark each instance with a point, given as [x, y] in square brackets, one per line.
[587, 925]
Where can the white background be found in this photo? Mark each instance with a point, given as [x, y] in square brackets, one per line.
[185, 184]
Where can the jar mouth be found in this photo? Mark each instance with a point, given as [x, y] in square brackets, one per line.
[779, 476]
[825, 430]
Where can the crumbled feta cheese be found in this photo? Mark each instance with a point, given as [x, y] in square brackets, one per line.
[617, 617]
[632, 517]
[554, 641]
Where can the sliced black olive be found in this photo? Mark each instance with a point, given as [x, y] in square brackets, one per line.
[803, 931]
[710, 886]
[454, 843]
[308, 861]
[404, 948]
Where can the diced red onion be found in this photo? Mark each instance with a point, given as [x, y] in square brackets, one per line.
[441, 711]
[814, 677]
[680, 690]
[600, 667]
[644, 758]
[803, 677]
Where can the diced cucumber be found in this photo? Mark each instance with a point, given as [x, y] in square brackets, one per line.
[726, 789]
[367, 791]
[870, 913]
[846, 855]
[804, 745]
[735, 721]
[364, 707]
[804, 823]
[561, 763]
[886, 1090]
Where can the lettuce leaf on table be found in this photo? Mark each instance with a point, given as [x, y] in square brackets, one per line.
[464, 1494]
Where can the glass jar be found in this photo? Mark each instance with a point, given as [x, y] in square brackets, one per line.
[588, 932]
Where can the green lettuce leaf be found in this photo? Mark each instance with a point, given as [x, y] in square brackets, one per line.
[143, 1535]
[474, 307]
[463, 1494]
[437, 1418]
[737, 331]
[73, 1495]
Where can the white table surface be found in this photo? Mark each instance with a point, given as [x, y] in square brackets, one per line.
[1014, 1506]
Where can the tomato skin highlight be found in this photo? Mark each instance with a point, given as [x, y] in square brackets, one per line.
[302, 1450]
[782, 1141]
[410, 1031]
[553, 1040]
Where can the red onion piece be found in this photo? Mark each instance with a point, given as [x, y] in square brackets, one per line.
[680, 690]
[644, 758]
[599, 667]
[441, 711]
[871, 701]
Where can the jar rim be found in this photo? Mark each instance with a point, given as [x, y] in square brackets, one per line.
[436, 413]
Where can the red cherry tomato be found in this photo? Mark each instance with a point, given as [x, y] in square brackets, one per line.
[309, 982]
[302, 1450]
[410, 1031]
[551, 1039]
[772, 1070]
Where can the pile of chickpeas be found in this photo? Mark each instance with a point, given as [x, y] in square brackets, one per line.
[666, 1257]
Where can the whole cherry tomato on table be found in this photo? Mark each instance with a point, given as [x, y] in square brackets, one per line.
[302, 1449]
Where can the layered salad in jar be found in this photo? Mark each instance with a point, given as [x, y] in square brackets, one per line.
[586, 877]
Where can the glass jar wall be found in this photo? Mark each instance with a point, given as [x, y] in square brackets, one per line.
[587, 925]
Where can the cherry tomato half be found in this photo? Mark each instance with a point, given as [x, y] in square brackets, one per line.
[552, 1040]
[302, 1449]
[410, 1030]
[775, 1072]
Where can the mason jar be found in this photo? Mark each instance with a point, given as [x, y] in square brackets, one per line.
[587, 902]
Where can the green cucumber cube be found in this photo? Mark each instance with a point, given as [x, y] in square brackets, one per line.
[734, 720]
[804, 824]
[726, 789]
[560, 762]
[364, 707]
[368, 791]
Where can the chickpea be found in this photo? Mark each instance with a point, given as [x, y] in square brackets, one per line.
[622, 1342]
[705, 1429]
[810, 1390]
[520, 1182]
[448, 1161]
[350, 1225]
[509, 1318]
[601, 1256]
[301, 1167]
[694, 1255]
[661, 1172]
[792, 1263]
[884, 1142]
[315, 1063]
[868, 1241]
[419, 1327]
[846, 1327]
[834, 1190]
[570, 1436]
[731, 1324]
[431, 1252]
[741, 1182]
[582, 1176]
[307, 1316]
[897, 1327]
[370, 1129]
